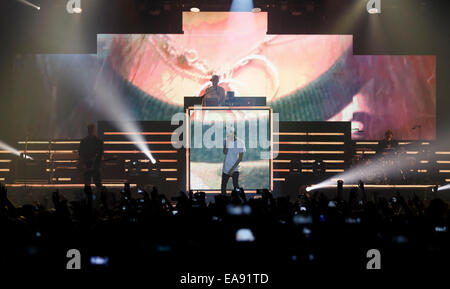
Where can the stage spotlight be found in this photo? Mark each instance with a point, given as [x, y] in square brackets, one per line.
[14, 151]
[195, 9]
[443, 188]
[29, 4]
[24, 156]
[112, 107]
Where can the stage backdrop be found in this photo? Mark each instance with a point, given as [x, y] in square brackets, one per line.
[304, 77]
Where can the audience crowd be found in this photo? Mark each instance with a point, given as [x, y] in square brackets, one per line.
[132, 230]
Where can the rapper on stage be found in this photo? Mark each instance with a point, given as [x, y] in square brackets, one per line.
[90, 156]
[233, 150]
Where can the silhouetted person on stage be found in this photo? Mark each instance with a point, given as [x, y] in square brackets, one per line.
[90, 156]
[214, 95]
[388, 145]
[387, 152]
[233, 150]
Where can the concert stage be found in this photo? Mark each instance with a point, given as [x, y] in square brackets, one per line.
[300, 147]
[194, 141]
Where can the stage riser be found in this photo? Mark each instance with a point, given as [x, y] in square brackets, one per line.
[304, 141]
[309, 144]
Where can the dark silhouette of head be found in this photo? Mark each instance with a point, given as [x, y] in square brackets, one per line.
[388, 134]
[215, 80]
[91, 129]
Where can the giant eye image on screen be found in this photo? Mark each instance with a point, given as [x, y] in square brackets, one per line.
[303, 77]
[215, 134]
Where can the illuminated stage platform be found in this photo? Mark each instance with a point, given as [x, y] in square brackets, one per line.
[55, 162]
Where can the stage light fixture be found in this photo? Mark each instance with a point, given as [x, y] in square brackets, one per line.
[112, 107]
[29, 4]
[256, 10]
[14, 151]
[443, 188]
[377, 169]
[195, 9]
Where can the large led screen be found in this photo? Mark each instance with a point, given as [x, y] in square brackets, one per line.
[304, 77]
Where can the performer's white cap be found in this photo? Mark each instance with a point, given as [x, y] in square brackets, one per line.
[230, 130]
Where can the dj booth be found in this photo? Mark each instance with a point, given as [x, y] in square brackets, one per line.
[232, 101]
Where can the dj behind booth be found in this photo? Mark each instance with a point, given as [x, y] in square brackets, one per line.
[215, 95]
[230, 101]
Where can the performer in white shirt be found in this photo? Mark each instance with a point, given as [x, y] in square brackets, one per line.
[214, 92]
[233, 149]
